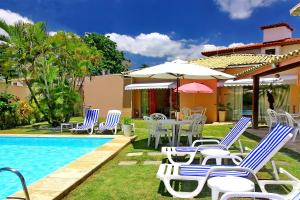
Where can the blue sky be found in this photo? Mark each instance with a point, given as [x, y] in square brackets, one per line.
[153, 31]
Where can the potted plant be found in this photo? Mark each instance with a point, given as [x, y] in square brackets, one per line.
[222, 112]
[127, 126]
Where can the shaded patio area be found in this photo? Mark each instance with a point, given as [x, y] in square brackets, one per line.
[291, 147]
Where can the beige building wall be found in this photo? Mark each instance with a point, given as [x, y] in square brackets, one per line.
[20, 91]
[107, 93]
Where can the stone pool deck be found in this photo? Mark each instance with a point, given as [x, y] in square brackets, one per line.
[59, 183]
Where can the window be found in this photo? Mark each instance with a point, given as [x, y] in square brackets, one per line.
[270, 51]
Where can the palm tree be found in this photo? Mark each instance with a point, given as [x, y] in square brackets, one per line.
[26, 43]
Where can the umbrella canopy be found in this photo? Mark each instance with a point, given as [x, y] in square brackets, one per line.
[195, 88]
[295, 11]
[179, 69]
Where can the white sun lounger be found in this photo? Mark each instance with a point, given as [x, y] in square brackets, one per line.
[111, 122]
[247, 167]
[233, 135]
[90, 119]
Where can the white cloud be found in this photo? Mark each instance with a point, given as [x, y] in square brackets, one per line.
[242, 9]
[160, 45]
[11, 17]
[52, 33]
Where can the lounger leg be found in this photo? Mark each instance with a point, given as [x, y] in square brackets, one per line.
[190, 160]
[91, 132]
[157, 139]
[275, 171]
[174, 193]
[149, 140]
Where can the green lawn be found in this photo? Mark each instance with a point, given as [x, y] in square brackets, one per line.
[138, 181]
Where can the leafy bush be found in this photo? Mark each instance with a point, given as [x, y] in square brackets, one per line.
[127, 121]
[8, 108]
[14, 112]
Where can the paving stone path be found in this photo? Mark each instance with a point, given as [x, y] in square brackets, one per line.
[126, 163]
[135, 154]
[154, 153]
[151, 162]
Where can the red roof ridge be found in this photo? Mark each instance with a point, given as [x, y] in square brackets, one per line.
[281, 42]
[277, 25]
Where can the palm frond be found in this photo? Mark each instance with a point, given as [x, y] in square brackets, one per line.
[3, 25]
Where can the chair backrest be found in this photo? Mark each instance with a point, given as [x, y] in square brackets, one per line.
[152, 124]
[236, 131]
[272, 115]
[201, 110]
[186, 112]
[194, 126]
[267, 147]
[91, 117]
[290, 120]
[195, 116]
[158, 116]
[113, 117]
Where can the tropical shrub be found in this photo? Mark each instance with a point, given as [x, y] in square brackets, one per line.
[8, 108]
[53, 67]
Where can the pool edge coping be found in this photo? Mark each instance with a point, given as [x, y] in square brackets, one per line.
[59, 183]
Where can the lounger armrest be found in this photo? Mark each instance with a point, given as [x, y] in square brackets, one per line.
[205, 140]
[293, 181]
[230, 195]
[210, 146]
[235, 159]
[291, 177]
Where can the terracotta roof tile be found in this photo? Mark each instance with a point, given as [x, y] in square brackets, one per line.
[287, 41]
[233, 60]
[275, 60]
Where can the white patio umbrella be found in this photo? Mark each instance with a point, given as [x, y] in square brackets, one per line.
[179, 69]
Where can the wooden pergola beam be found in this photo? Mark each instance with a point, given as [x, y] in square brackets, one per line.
[255, 101]
[264, 72]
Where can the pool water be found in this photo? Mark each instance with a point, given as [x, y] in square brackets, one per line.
[37, 157]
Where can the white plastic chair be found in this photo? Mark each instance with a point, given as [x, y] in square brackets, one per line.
[186, 112]
[158, 116]
[272, 118]
[155, 131]
[293, 123]
[194, 129]
[200, 110]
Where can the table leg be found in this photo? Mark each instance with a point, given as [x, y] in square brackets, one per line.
[218, 161]
[214, 194]
[173, 135]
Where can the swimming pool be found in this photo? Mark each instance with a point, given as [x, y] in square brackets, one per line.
[36, 157]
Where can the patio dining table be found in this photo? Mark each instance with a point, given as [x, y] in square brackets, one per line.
[175, 127]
